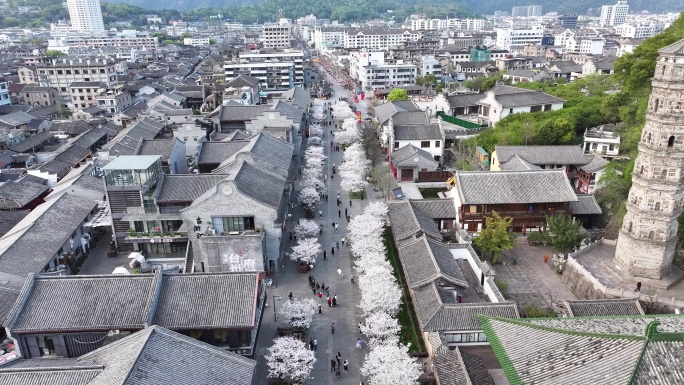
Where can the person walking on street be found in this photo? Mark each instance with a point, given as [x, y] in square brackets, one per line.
[311, 344]
[315, 344]
[337, 225]
[320, 296]
[346, 366]
[342, 241]
[350, 203]
[339, 213]
[359, 343]
[320, 213]
[346, 213]
[333, 364]
[337, 372]
[337, 244]
[338, 195]
[332, 330]
[290, 296]
[338, 357]
[325, 254]
[332, 250]
[320, 309]
[334, 301]
[330, 305]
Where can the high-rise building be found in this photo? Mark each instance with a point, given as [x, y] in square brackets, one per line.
[519, 12]
[277, 36]
[86, 16]
[614, 14]
[567, 21]
[648, 237]
[534, 10]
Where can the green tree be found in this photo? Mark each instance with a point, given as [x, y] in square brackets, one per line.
[440, 88]
[475, 84]
[563, 233]
[54, 53]
[495, 237]
[397, 94]
[429, 80]
[557, 131]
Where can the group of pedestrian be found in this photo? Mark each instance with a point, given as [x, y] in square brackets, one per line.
[332, 302]
[313, 344]
[336, 364]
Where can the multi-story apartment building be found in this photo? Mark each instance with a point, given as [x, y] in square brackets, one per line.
[114, 101]
[591, 46]
[84, 94]
[429, 65]
[86, 16]
[4, 92]
[141, 41]
[519, 12]
[534, 10]
[328, 35]
[377, 39]
[61, 73]
[275, 69]
[42, 96]
[614, 14]
[440, 24]
[507, 38]
[27, 75]
[277, 36]
[371, 70]
[567, 21]
[640, 31]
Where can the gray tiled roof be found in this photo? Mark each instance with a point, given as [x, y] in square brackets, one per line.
[71, 128]
[507, 187]
[434, 315]
[450, 368]
[424, 260]
[94, 135]
[595, 163]
[631, 325]
[241, 112]
[185, 187]
[16, 118]
[464, 100]
[604, 307]
[585, 205]
[406, 221]
[32, 141]
[509, 96]
[16, 194]
[547, 356]
[183, 301]
[273, 150]
[162, 147]
[9, 219]
[83, 303]
[39, 376]
[289, 110]
[676, 48]
[410, 117]
[259, 185]
[385, 111]
[243, 81]
[661, 364]
[516, 163]
[34, 248]
[436, 208]
[217, 152]
[543, 155]
[477, 371]
[427, 131]
[297, 96]
[404, 156]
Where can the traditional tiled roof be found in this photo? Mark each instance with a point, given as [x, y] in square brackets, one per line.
[385, 111]
[543, 155]
[9, 219]
[585, 205]
[435, 208]
[595, 163]
[406, 221]
[676, 48]
[604, 307]
[289, 110]
[509, 187]
[424, 260]
[404, 156]
[297, 96]
[427, 131]
[129, 302]
[464, 100]
[35, 247]
[622, 325]
[259, 185]
[232, 301]
[32, 141]
[217, 152]
[273, 150]
[17, 194]
[436, 315]
[16, 118]
[162, 147]
[559, 357]
[450, 368]
[509, 96]
[185, 187]
[142, 358]
[516, 163]
[410, 117]
[242, 112]
[243, 81]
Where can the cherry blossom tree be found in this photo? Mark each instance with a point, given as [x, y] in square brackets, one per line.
[315, 131]
[379, 292]
[341, 110]
[353, 170]
[314, 156]
[314, 141]
[309, 196]
[299, 312]
[376, 209]
[379, 326]
[390, 364]
[349, 132]
[306, 250]
[306, 229]
[289, 359]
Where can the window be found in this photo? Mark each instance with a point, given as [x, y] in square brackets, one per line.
[396, 145]
[671, 142]
[46, 346]
[425, 144]
[228, 224]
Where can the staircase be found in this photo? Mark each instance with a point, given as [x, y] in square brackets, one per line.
[189, 259]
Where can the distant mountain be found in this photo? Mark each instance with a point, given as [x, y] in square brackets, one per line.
[581, 7]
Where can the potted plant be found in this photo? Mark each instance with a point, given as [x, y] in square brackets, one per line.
[131, 233]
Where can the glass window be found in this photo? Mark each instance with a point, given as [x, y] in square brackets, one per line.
[220, 336]
[47, 346]
[425, 144]
[244, 338]
[482, 337]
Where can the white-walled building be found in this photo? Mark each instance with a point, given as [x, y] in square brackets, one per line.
[275, 69]
[429, 65]
[614, 14]
[507, 38]
[373, 72]
[4, 92]
[196, 41]
[640, 31]
[502, 101]
[377, 39]
[591, 46]
[328, 35]
[86, 16]
[277, 35]
[442, 24]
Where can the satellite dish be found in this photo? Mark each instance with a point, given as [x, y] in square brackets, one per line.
[416, 159]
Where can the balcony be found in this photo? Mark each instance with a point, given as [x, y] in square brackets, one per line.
[157, 236]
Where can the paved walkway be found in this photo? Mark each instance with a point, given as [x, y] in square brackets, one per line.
[346, 315]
